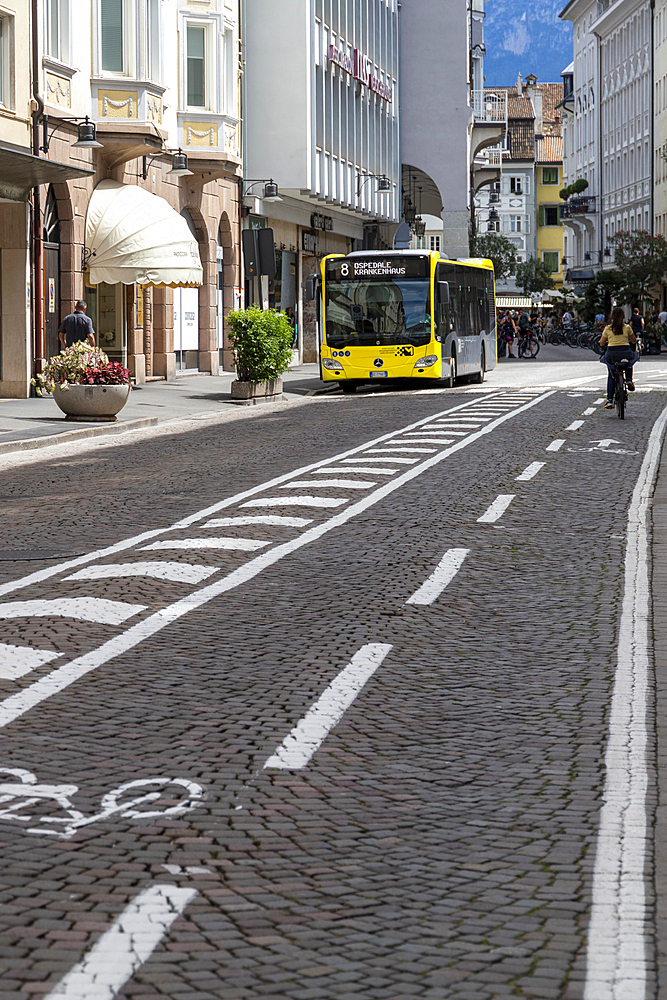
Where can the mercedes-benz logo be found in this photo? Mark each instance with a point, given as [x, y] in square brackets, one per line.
[378, 362]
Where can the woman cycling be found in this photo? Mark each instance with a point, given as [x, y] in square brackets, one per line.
[617, 338]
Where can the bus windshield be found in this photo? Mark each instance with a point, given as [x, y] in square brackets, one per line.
[374, 312]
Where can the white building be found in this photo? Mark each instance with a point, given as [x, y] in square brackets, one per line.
[660, 116]
[321, 99]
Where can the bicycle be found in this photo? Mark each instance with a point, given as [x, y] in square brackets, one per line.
[529, 345]
[620, 386]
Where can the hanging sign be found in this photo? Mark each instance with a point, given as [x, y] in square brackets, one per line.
[52, 295]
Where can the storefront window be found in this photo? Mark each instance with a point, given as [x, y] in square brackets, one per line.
[283, 288]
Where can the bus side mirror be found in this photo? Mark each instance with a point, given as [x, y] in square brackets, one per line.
[443, 292]
[310, 288]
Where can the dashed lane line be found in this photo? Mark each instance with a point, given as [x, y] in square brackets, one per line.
[62, 677]
[496, 509]
[530, 471]
[440, 578]
[589, 410]
[308, 735]
[575, 425]
[556, 445]
[617, 932]
[128, 943]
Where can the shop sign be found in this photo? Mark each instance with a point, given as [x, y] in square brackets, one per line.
[310, 242]
[360, 67]
[324, 222]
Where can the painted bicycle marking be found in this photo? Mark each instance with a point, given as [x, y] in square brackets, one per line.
[20, 796]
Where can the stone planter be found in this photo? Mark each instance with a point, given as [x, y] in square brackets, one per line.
[250, 393]
[92, 403]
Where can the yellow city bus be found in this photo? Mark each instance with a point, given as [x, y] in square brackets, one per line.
[404, 314]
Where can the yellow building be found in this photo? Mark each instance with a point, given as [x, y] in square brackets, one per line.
[548, 182]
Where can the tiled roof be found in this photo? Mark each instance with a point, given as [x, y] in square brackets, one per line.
[549, 149]
[522, 140]
[519, 107]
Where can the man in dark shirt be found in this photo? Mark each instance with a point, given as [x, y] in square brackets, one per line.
[77, 326]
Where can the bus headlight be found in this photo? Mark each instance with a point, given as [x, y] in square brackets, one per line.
[426, 362]
[331, 365]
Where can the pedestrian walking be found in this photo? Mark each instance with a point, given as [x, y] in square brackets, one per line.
[77, 327]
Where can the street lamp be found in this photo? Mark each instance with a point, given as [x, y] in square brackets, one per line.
[601, 253]
[179, 165]
[384, 184]
[270, 188]
[86, 133]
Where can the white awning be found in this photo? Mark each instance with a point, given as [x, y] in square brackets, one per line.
[132, 235]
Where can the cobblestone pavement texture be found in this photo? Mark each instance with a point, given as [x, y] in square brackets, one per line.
[440, 843]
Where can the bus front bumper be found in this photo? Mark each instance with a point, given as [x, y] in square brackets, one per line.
[365, 371]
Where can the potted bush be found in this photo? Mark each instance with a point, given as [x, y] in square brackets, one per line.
[262, 345]
[85, 384]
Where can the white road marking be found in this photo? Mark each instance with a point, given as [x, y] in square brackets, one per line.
[530, 471]
[84, 609]
[128, 543]
[15, 661]
[589, 410]
[575, 425]
[496, 509]
[394, 448]
[422, 434]
[187, 870]
[176, 572]
[62, 677]
[556, 445]
[232, 544]
[308, 735]
[602, 399]
[617, 932]
[441, 576]
[128, 943]
[296, 502]
[348, 484]
[386, 458]
[433, 440]
[273, 520]
[376, 471]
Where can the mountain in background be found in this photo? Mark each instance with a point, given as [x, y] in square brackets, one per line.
[525, 38]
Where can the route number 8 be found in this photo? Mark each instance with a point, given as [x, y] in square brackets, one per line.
[345, 270]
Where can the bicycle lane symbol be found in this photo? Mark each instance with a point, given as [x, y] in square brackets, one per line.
[602, 445]
[19, 796]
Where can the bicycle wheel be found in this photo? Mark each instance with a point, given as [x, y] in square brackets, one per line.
[534, 347]
[619, 397]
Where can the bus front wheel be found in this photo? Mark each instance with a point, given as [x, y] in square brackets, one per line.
[348, 387]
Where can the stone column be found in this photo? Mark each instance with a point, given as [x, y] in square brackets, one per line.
[148, 330]
[135, 339]
[164, 359]
[208, 335]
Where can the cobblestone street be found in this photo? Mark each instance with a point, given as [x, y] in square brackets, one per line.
[315, 704]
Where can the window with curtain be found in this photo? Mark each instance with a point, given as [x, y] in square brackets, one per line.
[53, 46]
[196, 66]
[111, 32]
[153, 39]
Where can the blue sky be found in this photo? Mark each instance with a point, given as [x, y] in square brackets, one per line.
[527, 38]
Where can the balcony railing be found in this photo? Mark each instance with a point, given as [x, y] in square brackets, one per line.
[583, 205]
[489, 107]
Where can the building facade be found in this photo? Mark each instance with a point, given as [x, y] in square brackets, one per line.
[522, 204]
[153, 77]
[660, 117]
[322, 122]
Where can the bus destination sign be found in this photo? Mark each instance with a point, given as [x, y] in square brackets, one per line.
[349, 269]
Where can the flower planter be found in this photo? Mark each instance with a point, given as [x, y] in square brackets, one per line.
[92, 403]
[250, 393]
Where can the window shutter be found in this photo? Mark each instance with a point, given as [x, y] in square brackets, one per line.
[541, 216]
[560, 220]
[505, 185]
[526, 184]
[505, 224]
[526, 223]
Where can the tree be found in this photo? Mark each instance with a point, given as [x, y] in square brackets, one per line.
[498, 249]
[641, 260]
[533, 276]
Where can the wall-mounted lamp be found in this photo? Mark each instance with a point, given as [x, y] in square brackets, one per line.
[179, 165]
[86, 133]
[384, 184]
[270, 188]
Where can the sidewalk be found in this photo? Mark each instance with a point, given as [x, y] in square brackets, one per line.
[37, 422]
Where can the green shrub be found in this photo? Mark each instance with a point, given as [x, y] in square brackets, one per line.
[580, 185]
[262, 343]
[564, 194]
